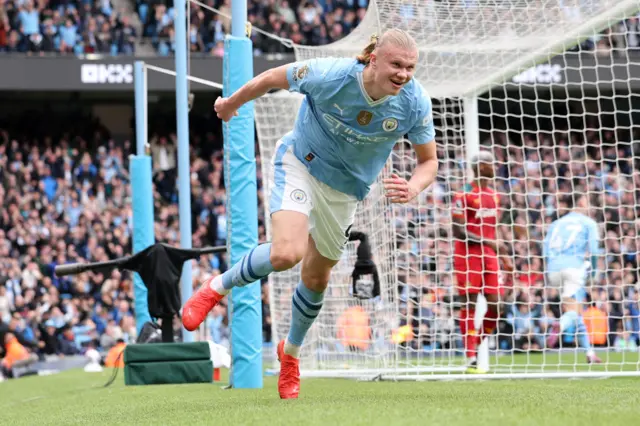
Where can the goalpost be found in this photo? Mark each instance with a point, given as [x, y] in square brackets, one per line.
[240, 183]
[504, 75]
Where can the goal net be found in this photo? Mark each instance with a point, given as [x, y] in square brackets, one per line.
[548, 87]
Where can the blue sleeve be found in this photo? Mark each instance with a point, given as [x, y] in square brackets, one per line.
[310, 77]
[423, 131]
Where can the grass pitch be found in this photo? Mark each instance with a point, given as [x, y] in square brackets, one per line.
[78, 398]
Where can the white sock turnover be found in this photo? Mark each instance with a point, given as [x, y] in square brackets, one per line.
[291, 349]
[216, 285]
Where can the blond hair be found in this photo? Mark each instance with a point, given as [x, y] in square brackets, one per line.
[395, 36]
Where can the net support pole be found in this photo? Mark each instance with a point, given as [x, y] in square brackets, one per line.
[472, 147]
[182, 121]
[140, 171]
[242, 209]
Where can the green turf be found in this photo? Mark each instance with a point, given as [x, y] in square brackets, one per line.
[76, 397]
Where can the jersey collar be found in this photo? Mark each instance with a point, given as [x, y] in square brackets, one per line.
[370, 101]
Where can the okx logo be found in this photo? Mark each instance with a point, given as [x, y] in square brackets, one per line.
[107, 73]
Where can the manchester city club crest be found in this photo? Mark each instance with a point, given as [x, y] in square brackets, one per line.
[299, 196]
[364, 117]
[302, 72]
[389, 124]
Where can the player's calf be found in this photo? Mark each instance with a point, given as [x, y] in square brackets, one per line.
[308, 297]
[305, 308]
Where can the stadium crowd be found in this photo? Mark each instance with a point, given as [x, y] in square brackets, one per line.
[307, 22]
[81, 27]
[319, 22]
[38, 27]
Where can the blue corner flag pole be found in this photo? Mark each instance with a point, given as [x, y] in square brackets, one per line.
[182, 118]
[242, 208]
[142, 194]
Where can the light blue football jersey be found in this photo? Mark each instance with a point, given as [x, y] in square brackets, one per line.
[569, 240]
[342, 135]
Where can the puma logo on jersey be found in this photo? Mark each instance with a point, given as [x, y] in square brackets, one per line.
[339, 109]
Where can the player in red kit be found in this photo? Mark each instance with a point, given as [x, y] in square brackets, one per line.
[476, 266]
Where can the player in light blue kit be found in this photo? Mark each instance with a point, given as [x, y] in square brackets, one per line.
[568, 242]
[354, 111]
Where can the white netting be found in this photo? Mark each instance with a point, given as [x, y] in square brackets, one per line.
[565, 128]
[467, 46]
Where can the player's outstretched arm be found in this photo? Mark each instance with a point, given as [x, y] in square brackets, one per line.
[275, 78]
[400, 190]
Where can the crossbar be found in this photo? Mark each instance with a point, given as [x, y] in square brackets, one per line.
[189, 77]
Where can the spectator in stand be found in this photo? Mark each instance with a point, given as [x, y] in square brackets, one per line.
[75, 27]
[307, 22]
[124, 36]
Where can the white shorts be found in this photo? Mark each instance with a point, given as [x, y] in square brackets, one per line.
[331, 213]
[571, 281]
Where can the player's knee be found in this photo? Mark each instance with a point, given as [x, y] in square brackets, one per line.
[285, 256]
[316, 280]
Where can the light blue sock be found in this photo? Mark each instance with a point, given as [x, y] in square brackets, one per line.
[252, 267]
[305, 307]
[583, 334]
[568, 321]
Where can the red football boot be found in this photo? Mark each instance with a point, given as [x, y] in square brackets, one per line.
[199, 305]
[289, 380]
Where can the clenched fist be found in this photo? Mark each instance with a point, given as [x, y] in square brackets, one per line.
[224, 109]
